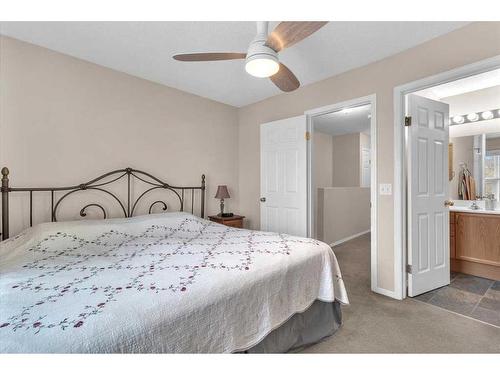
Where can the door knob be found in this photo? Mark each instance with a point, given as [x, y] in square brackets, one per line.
[448, 203]
[263, 199]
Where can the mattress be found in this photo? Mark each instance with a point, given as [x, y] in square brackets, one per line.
[163, 283]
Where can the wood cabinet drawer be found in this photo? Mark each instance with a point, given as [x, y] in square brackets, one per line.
[234, 223]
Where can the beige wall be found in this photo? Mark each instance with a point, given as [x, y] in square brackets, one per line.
[345, 211]
[64, 121]
[462, 152]
[323, 161]
[346, 159]
[493, 144]
[477, 41]
[337, 159]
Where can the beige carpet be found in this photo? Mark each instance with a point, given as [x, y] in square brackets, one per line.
[377, 324]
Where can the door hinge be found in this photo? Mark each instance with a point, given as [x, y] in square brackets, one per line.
[308, 136]
[407, 120]
[409, 268]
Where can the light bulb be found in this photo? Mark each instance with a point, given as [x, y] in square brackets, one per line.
[472, 117]
[458, 119]
[262, 67]
[487, 115]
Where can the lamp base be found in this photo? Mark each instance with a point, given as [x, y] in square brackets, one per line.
[221, 208]
[226, 214]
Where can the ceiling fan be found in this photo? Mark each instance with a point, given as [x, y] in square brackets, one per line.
[261, 59]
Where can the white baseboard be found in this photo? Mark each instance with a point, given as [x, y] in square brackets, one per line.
[336, 243]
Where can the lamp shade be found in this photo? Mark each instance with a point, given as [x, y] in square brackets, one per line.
[222, 192]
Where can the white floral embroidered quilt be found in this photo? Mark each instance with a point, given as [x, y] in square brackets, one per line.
[166, 283]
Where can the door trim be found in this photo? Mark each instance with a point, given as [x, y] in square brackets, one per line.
[400, 177]
[310, 114]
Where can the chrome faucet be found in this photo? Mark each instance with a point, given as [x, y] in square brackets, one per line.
[474, 206]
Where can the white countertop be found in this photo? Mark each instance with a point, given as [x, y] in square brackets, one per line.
[464, 206]
[471, 211]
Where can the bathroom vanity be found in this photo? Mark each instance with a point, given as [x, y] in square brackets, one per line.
[474, 172]
[475, 241]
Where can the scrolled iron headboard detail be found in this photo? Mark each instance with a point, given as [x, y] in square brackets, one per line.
[128, 206]
[164, 208]
[83, 213]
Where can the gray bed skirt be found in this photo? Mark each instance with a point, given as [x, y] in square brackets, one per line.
[320, 320]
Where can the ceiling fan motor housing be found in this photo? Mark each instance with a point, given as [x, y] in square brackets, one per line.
[258, 50]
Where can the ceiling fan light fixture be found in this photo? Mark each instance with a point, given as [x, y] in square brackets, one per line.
[261, 59]
[262, 66]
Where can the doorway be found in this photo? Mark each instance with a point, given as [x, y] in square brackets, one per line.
[446, 90]
[341, 176]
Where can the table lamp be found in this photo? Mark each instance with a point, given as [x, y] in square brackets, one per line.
[222, 194]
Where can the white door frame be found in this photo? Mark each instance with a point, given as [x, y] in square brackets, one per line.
[400, 193]
[311, 225]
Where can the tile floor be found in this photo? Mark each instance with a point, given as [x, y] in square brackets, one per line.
[468, 295]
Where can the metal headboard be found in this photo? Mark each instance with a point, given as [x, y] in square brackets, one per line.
[128, 207]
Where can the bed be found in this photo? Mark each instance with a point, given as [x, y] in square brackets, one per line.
[168, 282]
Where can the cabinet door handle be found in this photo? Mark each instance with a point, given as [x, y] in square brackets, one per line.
[263, 199]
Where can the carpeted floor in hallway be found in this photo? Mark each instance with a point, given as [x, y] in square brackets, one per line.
[377, 324]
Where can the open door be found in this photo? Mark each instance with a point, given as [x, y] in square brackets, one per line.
[283, 176]
[428, 192]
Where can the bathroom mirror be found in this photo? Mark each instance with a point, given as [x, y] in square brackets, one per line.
[475, 166]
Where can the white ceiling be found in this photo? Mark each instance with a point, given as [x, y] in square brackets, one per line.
[347, 121]
[462, 86]
[145, 49]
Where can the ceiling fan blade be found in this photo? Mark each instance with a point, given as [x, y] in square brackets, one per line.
[288, 33]
[285, 79]
[209, 56]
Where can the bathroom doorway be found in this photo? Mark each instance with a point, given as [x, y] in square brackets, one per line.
[457, 237]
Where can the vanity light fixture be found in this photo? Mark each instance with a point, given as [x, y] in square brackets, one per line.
[472, 117]
[475, 116]
[487, 115]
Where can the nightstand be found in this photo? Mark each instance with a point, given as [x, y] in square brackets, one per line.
[235, 221]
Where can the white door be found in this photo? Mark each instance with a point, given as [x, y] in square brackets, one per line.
[428, 214]
[283, 176]
[365, 167]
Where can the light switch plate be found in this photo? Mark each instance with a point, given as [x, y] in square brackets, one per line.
[385, 189]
